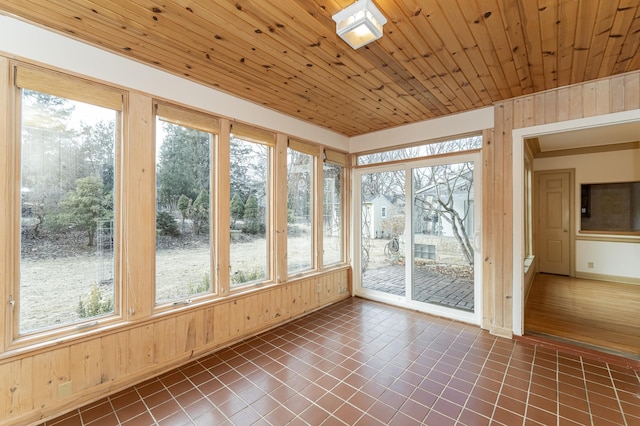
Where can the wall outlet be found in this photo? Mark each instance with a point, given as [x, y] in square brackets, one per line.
[590, 265]
[65, 390]
[319, 288]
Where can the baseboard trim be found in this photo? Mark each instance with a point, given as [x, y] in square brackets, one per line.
[501, 332]
[604, 277]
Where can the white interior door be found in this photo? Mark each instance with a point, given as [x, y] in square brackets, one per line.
[554, 215]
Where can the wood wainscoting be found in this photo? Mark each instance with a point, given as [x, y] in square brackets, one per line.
[598, 314]
[97, 365]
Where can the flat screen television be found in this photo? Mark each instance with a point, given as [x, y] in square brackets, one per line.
[610, 207]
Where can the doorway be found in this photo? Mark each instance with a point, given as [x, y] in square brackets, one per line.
[419, 235]
[584, 127]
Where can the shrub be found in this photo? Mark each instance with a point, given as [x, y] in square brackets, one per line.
[245, 276]
[203, 286]
[95, 305]
[166, 224]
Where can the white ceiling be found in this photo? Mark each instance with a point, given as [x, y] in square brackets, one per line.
[592, 136]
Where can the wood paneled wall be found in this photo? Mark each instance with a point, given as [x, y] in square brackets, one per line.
[147, 341]
[103, 363]
[599, 97]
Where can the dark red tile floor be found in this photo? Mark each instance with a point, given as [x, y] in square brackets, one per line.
[365, 363]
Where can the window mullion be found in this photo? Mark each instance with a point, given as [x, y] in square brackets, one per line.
[222, 200]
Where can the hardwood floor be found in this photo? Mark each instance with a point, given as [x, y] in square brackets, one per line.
[597, 314]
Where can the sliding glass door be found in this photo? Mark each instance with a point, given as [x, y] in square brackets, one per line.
[421, 251]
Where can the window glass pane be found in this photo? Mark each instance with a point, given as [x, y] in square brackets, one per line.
[332, 214]
[183, 226]
[249, 204]
[299, 211]
[67, 211]
[382, 240]
[429, 149]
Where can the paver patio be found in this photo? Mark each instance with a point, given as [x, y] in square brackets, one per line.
[430, 287]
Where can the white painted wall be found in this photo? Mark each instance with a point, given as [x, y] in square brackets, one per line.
[609, 258]
[26, 41]
[436, 128]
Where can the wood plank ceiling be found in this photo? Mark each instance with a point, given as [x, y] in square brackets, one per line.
[436, 57]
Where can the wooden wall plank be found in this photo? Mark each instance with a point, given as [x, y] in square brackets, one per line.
[563, 105]
[589, 101]
[221, 323]
[250, 313]
[575, 102]
[45, 385]
[122, 352]
[631, 90]
[264, 316]
[617, 93]
[550, 106]
[138, 209]
[135, 359]
[23, 384]
[165, 338]
[236, 317]
[488, 232]
[109, 370]
[286, 301]
[276, 303]
[539, 103]
[602, 97]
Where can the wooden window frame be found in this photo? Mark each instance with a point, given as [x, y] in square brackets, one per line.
[316, 193]
[341, 160]
[185, 117]
[30, 77]
[272, 141]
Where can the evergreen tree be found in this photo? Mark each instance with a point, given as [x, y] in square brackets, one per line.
[200, 213]
[85, 206]
[184, 205]
[183, 164]
[237, 210]
[251, 215]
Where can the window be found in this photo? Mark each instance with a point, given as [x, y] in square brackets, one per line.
[300, 206]
[424, 150]
[333, 175]
[69, 138]
[383, 212]
[184, 229]
[425, 251]
[250, 205]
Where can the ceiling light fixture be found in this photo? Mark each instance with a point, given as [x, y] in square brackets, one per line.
[360, 23]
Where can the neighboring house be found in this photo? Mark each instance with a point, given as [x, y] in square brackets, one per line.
[432, 219]
[435, 238]
[375, 211]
